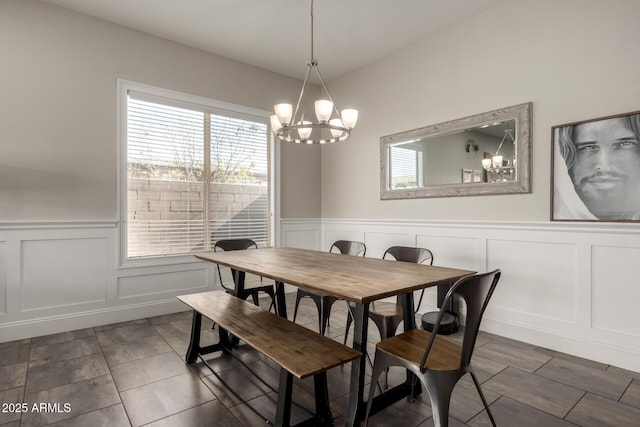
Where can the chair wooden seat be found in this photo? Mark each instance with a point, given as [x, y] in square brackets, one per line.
[299, 351]
[385, 309]
[409, 346]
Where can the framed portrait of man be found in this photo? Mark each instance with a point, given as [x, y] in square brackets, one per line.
[595, 173]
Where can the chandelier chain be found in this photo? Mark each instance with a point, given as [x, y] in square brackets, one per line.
[311, 31]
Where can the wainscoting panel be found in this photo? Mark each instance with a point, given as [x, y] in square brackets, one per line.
[378, 242]
[3, 278]
[60, 273]
[301, 235]
[570, 287]
[539, 276]
[615, 289]
[62, 276]
[134, 288]
[451, 251]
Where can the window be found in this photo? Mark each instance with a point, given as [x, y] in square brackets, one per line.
[407, 167]
[195, 173]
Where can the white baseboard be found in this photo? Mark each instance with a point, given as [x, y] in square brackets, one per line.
[64, 323]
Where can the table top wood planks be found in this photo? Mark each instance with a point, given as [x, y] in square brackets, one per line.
[357, 279]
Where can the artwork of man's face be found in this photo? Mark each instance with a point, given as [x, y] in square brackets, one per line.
[606, 171]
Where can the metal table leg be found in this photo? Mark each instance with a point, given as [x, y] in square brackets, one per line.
[238, 281]
[356, 408]
[281, 303]
[405, 389]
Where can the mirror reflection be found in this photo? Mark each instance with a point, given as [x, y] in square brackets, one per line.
[483, 154]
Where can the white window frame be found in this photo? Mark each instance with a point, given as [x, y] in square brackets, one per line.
[123, 88]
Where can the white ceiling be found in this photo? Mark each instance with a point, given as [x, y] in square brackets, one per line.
[275, 34]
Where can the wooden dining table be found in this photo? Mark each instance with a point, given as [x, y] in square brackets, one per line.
[359, 280]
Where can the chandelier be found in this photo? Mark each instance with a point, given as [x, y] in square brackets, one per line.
[331, 126]
[497, 168]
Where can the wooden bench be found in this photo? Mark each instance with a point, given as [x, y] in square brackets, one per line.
[299, 351]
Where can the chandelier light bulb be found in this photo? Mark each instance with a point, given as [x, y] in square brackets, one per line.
[324, 108]
[335, 132]
[497, 161]
[275, 123]
[284, 112]
[304, 133]
[486, 163]
[349, 117]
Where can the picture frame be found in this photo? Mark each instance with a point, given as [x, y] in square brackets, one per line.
[467, 175]
[477, 175]
[595, 169]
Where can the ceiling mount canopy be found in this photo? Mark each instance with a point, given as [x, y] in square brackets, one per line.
[327, 126]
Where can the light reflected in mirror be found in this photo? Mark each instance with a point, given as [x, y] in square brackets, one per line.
[483, 154]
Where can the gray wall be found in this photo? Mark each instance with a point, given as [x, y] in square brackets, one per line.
[574, 59]
[58, 110]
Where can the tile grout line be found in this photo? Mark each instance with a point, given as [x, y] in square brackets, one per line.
[124, 408]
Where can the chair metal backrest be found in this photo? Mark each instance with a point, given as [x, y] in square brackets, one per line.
[476, 291]
[349, 247]
[234, 244]
[409, 254]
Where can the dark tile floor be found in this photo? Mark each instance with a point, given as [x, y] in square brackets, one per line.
[133, 374]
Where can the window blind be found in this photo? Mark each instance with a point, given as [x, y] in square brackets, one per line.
[193, 177]
[404, 173]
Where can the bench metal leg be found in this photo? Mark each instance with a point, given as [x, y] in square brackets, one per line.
[194, 343]
[323, 411]
[195, 349]
[283, 411]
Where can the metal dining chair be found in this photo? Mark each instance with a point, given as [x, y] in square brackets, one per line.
[325, 302]
[253, 292]
[387, 315]
[436, 361]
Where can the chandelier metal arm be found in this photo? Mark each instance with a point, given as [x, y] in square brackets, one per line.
[290, 127]
[507, 132]
[304, 86]
[324, 86]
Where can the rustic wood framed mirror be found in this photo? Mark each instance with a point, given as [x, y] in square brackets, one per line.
[488, 153]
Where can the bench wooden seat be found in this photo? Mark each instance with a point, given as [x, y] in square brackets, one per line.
[299, 351]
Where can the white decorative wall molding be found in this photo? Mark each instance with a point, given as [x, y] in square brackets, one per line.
[60, 276]
[300, 233]
[3, 278]
[55, 225]
[566, 286]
